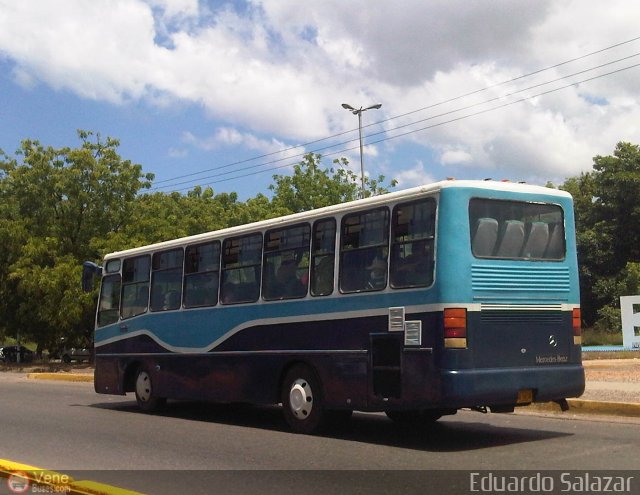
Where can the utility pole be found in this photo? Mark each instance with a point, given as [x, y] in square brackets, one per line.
[358, 112]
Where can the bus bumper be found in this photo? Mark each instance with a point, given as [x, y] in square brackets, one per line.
[503, 386]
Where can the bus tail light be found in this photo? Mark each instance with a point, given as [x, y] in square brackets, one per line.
[577, 331]
[455, 328]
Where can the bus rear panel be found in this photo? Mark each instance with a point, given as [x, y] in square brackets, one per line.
[510, 259]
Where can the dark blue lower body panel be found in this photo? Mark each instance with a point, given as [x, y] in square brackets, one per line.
[496, 386]
[349, 380]
[230, 377]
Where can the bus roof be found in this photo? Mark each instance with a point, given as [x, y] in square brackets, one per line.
[406, 194]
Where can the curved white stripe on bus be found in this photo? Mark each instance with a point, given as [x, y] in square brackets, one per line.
[426, 308]
[276, 321]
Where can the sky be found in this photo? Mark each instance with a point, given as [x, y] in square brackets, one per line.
[228, 93]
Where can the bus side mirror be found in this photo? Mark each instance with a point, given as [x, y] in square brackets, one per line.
[89, 272]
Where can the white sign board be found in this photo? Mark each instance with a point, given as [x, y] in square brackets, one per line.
[630, 311]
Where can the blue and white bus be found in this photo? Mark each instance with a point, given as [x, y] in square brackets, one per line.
[458, 294]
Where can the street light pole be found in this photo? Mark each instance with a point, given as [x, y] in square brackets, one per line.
[358, 112]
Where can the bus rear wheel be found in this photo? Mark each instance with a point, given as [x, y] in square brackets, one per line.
[145, 393]
[301, 398]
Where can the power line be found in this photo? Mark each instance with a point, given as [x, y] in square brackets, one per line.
[403, 126]
[291, 148]
[463, 117]
[304, 145]
[508, 81]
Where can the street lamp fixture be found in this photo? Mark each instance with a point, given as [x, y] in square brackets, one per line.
[358, 112]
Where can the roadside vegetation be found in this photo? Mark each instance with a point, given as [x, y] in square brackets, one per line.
[62, 206]
[596, 336]
[607, 208]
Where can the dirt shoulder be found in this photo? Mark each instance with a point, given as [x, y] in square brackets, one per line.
[53, 367]
[613, 370]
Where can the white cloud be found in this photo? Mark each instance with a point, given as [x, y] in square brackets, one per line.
[279, 70]
[455, 157]
[415, 175]
[230, 137]
[98, 50]
[178, 152]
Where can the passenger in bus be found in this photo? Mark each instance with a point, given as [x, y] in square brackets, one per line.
[288, 284]
[377, 274]
[229, 293]
[414, 270]
[323, 277]
[171, 300]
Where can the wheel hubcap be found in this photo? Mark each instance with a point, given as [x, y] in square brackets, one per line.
[301, 399]
[143, 386]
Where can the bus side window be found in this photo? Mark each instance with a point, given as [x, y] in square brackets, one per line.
[241, 267]
[413, 232]
[109, 303]
[166, 280]
[364, 249]
[286, 263]
[323, 257]
[135, 286]
[201, 275]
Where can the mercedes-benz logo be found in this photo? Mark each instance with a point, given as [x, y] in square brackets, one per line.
[553, 341]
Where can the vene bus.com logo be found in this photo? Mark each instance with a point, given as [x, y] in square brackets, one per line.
[18, 482]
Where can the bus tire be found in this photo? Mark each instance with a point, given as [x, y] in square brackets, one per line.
[145, 393]
[301, 398]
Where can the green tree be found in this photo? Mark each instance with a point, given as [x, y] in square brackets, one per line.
[311, 187]
[607, 208]
[62, 206]
[617, 203]
[55, 203]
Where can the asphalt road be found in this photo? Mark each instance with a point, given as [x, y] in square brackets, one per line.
[206, 448]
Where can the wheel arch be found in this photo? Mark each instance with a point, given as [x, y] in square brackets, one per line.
[129, 376]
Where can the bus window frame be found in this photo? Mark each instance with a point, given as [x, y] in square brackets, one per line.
[429, 238]
[125, 285]
[317, 272]
[380, 253]
[289, 289]
[185, 276]
[157, 272]
[105, 279]
[557, 224]
[225, 284]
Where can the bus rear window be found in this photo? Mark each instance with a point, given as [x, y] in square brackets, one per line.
[516, 230]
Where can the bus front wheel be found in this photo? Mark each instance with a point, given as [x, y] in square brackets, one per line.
[145, 393]
[301, 398]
